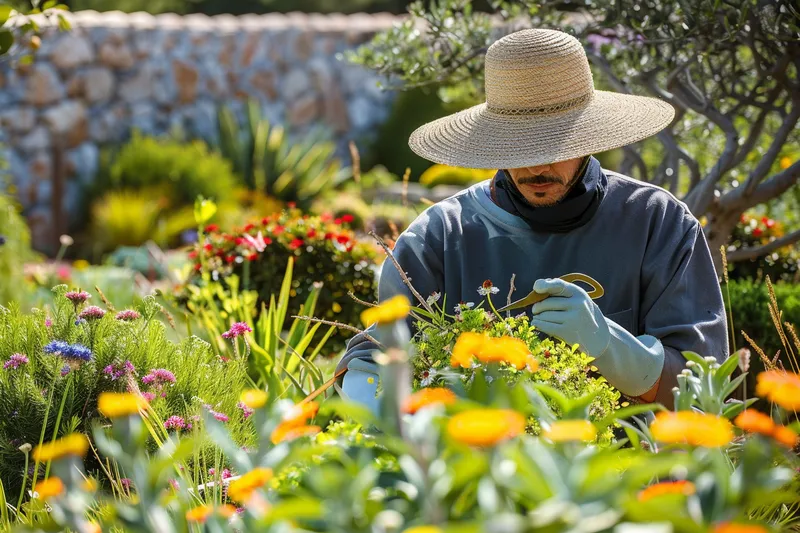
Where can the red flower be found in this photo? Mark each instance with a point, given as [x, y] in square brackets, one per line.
[295, 244]
[291, 205]
[348, 218]
[342, 239]
[248, 227]
[326, 217]
[757, 232]
[264, 221]
[239, 241]
[228, 238]
[311, 233]
[350, 247]
[208, 247]
[329, 236]
[198, 266]
[211, 228]
[230, 259]
[252, 257]
[267, 241]
[337, 221]
[193, 254]
[277, 230]
[770, 223]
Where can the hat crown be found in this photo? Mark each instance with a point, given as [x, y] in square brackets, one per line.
[537, 72]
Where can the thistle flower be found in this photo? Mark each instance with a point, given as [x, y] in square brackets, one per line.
[77, 297]
[126, 483]
[128, 315]
[15, 361]
[487, 288]
[149, 396]
[226, 474]
[92, 313]
[237, 329]
[175, 422]
[159, 377]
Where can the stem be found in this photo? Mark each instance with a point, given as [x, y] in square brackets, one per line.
[494, 310]
[41, 436]
[24, 484]
[58, 419]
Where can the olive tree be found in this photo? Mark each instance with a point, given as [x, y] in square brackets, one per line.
[729, 67]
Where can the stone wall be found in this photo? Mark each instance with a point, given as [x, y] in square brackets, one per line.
[113, 72]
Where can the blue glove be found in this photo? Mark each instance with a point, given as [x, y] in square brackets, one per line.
[360, 384]
[571, 315]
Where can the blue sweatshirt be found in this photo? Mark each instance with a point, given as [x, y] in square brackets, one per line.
[662, 294]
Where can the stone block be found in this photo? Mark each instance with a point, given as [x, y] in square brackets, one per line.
[20, 119]
[303, 110]
[137, 87]
[295, 84]
[83, 161]
[72, 50]
[109, 125]
[43, 85]
[186, 77]
[117, 55]
[65, 116]
[36, 140]
[264, 82]
[99, 84]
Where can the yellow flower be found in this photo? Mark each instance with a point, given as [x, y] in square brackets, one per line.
[780, 387]
[506, 350]
[429, 396]
[226, 511]
[785, 436]
[753, 421]
[785, 163]
[287, 431]
[49, 488]
[241, 489]
[571, 430]
[423, 529]
[690, 427]
[94, 527]
[253, 398]
[729, 527]
[119, 404]
[703, 220]
[468, 345]
[73, 444]
[89, 484]
[301, 413]
[388, 312]
[199, 514]
[668, 487]
[485, 427]
[80, 264]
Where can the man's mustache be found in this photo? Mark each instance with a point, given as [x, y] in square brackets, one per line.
[539, 180]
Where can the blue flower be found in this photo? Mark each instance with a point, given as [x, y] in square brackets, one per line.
[56, 347]
[77, 351]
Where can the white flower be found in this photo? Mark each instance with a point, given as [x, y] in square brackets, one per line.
[433, 298]
[460, 307]
[427, 377]
[484, 291]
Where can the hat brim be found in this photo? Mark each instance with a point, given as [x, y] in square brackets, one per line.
[480, 138]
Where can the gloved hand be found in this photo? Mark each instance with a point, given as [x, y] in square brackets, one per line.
[571, 315]
[360, 384]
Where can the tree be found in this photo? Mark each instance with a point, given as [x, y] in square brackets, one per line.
[729, 67]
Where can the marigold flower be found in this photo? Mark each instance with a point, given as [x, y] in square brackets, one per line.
[199, 514]
[226, 511]
[74, 444]
[49, 488]
[691, 427]
[288, 431]
[667, 487]
[571, 430]
[785, 436]
[731, 527]
[506, 350]
[754, 421]
[485, 427]
[89, 484]
[780, 387]
[301, 413]
[94, 527]
[785, 163]
[390, 311]
[430, 396]
[241, 489]
[253, 398]
[119, 404]
[468, 346]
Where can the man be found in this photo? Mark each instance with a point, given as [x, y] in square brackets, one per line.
[552, 210]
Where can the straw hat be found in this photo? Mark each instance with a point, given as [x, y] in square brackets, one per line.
[541, 108]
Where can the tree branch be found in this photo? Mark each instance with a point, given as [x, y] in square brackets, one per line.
[402, 273]
[775, 186]
[766, 161]
[757, 251]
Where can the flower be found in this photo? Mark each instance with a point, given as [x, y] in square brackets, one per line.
[237, 329]
[49, 488]
[211, 228]
[159, 377]
[785, 163]
[175, 422]
[433, 298]
[667, 487]
[115, 372]
[785, 436]
[76, 352]
[65, 370]
[89, 484]
[126, 483]
[691, 427]
[56, 347]
[780, 387]
[128, 315]
[77, 297]
[73, 444]
[198, 515]
[753, 421]
[286, 432]
[390, 311]
[295, 244]
[242, 489]
[348, 218]
[119, 404]
[246, 411]
[571, 430]
[428, 376]
[506, 350]
[149, 396]
[485, 427]
[48, 322]
[467, 346]
[92, 313]
[731, 527]
[226, 511]
[427, 397]
[258, 242]
[253, 398]
[487, 288]
[222, 417]
[15, 361]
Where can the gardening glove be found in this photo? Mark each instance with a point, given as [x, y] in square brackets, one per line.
[360, 384]
[631, 364]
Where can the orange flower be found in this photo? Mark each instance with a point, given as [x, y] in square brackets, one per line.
[94, 527]
[300, 414]
[668, 487]
[49, 488]
[285, 432]
[241, 489]
[226, 511]
[199, 514]
[691, 427]
[505, 349]
[468, 345]
[755, 422]
[785, 436]
[73, 444]
[780, 387]
[426, 397]
[730, 527]
[571, 430]
[485, 427]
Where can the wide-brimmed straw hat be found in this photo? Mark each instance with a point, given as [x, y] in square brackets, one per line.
[541, 108]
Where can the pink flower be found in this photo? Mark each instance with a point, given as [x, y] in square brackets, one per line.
[175, 422]
[126, 483]
[237, 329]
[48, 322]
[92, 313]
[226, 474]
[246, 411]
[258, 242]
[149, 396]
[15, 361]
[174, 484]
[222, 417]
[77, 297]
[211, 471]
[159, 377]
[127, 315]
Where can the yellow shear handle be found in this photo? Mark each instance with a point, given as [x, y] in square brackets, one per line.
[597, 289]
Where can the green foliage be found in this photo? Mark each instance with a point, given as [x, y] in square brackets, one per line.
[754, 231]
[14, 251]
[267, 160]
[51, 396]
[445, 175]
[26, 34]
[241, 7]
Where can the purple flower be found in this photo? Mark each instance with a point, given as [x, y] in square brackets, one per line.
[65, 370]
[14, 361]
[92, 313]
[246, 411]
[226, 474]
[237, 329]
[115, 372]
[126, 483]
[48, 322]
[222, 417]
[159, 377]
[77, 352]
[80, 322]
[175, 422]
[149, 396]
[56, 347]
[77, 298]
[128, 315]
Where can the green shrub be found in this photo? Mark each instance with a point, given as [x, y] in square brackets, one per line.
[59, 394]
[753, 231]
[446, 175]
[15, 249]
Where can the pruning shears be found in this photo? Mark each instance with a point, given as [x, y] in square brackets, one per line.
[536, 297]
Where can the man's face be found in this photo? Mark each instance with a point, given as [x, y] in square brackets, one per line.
[546, 185]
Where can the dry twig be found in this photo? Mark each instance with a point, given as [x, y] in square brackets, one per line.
[403, 275]
[339, 325]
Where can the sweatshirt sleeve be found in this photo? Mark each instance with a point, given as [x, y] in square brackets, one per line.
[681, 301]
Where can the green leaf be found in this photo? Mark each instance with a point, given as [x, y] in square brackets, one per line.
[726, 369]
[6, 41]
[733, 409]
[695, 357]
[5, 14]
[627, 412]
[49, 4]
[732, 386]
[204, 210]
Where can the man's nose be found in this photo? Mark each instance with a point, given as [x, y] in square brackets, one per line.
[537, 171]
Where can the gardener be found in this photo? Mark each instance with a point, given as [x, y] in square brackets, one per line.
[553, 210]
